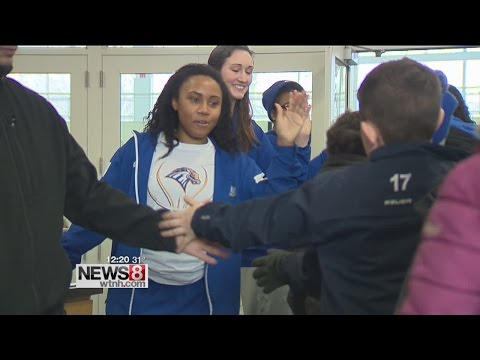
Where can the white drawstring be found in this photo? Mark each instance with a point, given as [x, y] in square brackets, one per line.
[210, 305]
[137, 198]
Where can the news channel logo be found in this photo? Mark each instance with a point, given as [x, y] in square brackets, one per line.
[106, 276]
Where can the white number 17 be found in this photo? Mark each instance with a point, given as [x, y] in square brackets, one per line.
[404, 178]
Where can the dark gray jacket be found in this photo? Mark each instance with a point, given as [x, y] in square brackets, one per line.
[361, 219]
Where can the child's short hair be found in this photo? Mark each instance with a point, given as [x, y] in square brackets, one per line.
[403, 99]
[343, 137]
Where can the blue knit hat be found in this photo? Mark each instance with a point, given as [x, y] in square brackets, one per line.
[449, 104]
[278, 88]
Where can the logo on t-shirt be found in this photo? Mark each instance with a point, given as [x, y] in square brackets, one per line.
[184, 176]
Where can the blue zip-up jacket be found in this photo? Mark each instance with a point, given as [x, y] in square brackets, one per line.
[234, 182]
[272, 136]
[263, 154]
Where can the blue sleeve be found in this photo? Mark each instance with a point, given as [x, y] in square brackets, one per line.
[303, 156]
[282, 175]
[280, 164]
[263, 152]
[285, 171]
[77, 240]
[272, 136]
[316, 164]
[255, 185]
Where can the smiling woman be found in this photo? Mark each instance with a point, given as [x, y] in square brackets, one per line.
[236, 64]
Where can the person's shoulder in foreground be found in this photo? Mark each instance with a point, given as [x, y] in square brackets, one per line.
[445, 274]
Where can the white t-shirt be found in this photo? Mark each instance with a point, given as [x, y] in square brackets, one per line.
[189, 169]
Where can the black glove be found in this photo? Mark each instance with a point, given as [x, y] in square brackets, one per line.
[270, 273]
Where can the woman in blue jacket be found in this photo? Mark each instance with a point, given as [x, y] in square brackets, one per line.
[188, 148]
[236, 65]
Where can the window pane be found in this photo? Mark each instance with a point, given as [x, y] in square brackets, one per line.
[472, 98]
[139, 92]
[452, 69]
[461, 66]
[473, 71]
[54, 87]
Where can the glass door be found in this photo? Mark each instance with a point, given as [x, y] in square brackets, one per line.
[61, 79]
[131, 87]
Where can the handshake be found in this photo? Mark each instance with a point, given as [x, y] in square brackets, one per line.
[177, 224]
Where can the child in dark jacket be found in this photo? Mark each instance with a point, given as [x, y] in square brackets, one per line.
[300, 269]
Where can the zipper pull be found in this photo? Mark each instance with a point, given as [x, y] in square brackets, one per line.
[12, 121]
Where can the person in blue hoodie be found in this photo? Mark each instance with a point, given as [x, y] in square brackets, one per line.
[236, 64]
[463, 132]
[458, 130]
[278, 93]
[188, 148]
